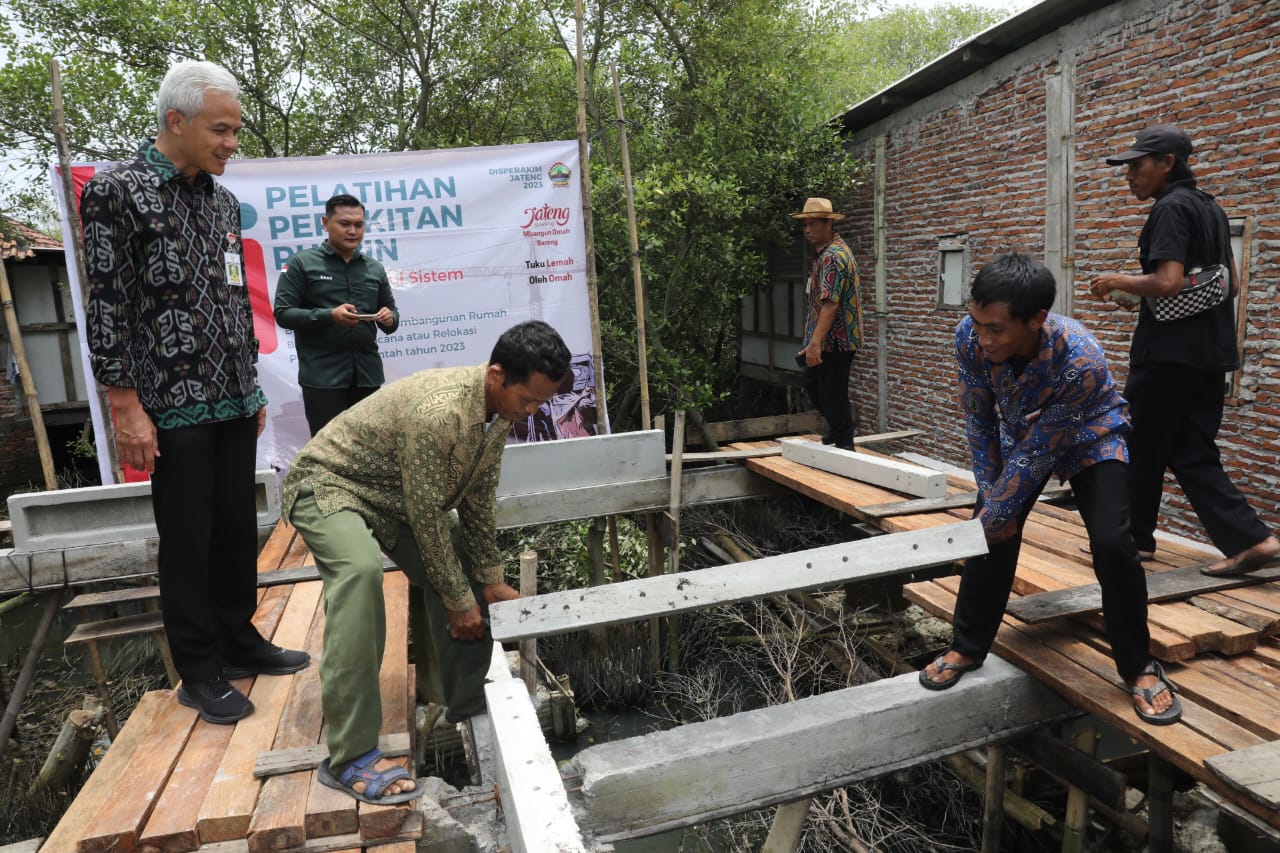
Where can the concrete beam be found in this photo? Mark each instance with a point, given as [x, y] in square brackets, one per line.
[574, 610]
[876, 470]
[695, 773]
[116, 559]
[701, 486]
[574, 463]
[102, 515]
[535, 806]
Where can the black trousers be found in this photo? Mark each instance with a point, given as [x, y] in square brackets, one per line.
[828, 388]
[1176, 413]
[1102, 495]
[324, 404]
[202, 493]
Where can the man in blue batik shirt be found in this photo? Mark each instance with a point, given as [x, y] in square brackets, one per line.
[1039, 401]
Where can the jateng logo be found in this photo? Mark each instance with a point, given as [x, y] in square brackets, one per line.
[559, 174]
[546, 215]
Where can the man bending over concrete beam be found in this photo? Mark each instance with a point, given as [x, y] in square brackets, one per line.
[385, 475]
[1039, 400]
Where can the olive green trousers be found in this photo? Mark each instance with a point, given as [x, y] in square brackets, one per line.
[349, 560]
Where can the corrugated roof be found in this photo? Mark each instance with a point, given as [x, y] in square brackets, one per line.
[20, 241]
[976, 53]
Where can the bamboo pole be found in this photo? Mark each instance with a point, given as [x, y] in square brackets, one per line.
[642, 356]
[588, 224]
[77, 252]
[993, 801]
[28, 383]
[28, 673]
[529, 648]
[1077, 817]
[673, 556]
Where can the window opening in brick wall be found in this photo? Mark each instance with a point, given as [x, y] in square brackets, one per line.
[1241, 231]
[953, 266]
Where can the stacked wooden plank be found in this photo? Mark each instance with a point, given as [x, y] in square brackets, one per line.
[172, 782]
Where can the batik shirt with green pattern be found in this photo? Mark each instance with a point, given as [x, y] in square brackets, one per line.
[162, 316]
[409, 454]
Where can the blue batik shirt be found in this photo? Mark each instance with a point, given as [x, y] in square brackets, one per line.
[1060, 415]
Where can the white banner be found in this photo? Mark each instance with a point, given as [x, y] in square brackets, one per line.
[474, 240]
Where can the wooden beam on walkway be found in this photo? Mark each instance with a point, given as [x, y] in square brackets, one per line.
[876, 470]
[867, 559]
[1255, 770]
[1161, 586]
[958, 501]
[651, 783]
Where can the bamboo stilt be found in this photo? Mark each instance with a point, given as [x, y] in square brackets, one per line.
[993, 801]
[588, 223]
[28, 382]
[642, 357]
[1077, 818]
[51, 602]
[673, 556]
[529, 648]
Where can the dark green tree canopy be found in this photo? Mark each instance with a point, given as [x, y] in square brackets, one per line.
[727, 104]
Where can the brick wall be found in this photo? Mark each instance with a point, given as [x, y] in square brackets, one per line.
[19, 460]
[975, 164]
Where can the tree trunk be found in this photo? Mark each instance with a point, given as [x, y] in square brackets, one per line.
[71, 749]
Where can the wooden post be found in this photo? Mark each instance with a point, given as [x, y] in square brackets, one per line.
[529, 648]
[993, 807]
[28, 382]
[104, 688]
[28, 673]
[642, 357]
[1077, 817]
[654, 535]
[788, 824]
[77, 251]
[673, 556]
[1159, 805]
[588, 224]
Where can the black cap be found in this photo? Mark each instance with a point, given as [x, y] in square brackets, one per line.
[1158, 139]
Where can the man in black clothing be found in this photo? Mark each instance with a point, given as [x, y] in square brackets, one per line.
[1177, 367]
[335, 298]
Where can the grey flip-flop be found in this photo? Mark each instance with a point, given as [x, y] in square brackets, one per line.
[1169, 715]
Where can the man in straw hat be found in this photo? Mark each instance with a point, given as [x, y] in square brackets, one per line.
[833, 322]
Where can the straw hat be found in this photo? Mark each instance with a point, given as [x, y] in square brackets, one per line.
[817, 208]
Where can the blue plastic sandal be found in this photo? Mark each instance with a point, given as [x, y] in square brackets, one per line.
[360, 770]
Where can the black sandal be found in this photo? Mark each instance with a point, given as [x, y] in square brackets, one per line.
[946, 666]
[1148, 694]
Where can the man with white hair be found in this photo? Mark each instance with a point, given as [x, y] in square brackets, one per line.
[171, 337]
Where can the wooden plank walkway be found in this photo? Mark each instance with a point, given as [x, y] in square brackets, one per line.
[171, 782]
[1221, 648]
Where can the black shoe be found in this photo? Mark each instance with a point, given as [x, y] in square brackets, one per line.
[267, 660]
[215, 700]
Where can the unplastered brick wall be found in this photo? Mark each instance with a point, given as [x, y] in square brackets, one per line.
[974, 165]
[19, 461]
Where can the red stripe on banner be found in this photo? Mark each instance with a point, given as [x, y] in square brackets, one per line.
[255, 276]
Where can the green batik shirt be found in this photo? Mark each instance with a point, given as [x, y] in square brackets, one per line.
[409, 454]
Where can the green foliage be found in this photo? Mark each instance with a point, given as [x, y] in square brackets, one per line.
[727, 105]
[874, 52]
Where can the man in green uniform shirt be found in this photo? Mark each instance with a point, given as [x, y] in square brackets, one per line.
[335, 298]
[385, 476]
